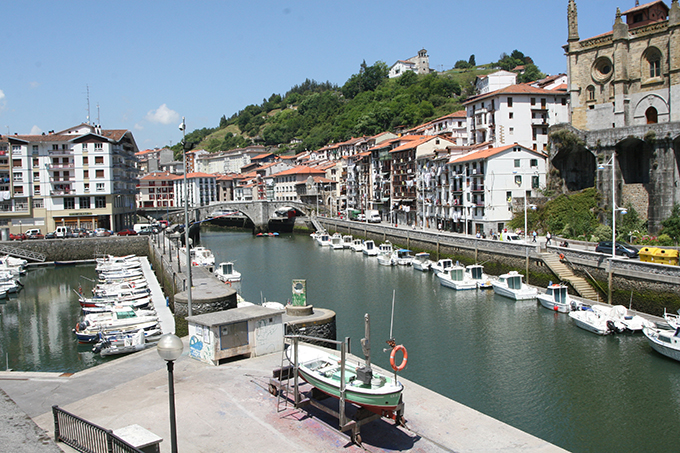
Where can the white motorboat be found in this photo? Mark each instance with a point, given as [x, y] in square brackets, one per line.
[620, 314]
[421, 262]
[89, 306]
[9, 264]
[476, 273]
[126, 285]
[336, 242]
[121, 319]
[665, 342]
[347, 241]
[114, 263]
[671, 319]
[201, 256]
[385, 247]
[441, 265]
[226, 273]
[511, 285]
[323, 239]
[121, 292]
[556, 298]
[369, 248]
[357, 245]
[112, 258]
[456, 278]
[121, 274]
[10, 286]
[121, 343]
[387, 258]
[595, 321]
[404, 257]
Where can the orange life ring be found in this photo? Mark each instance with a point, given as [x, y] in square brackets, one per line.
[228, 283]
[561, 256]
[402, 365]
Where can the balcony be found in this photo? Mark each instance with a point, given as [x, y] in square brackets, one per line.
[60, 152]
[61, 166]
[61, 181]
[539, 122]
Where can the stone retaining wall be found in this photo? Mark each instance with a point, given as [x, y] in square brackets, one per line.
[84, 248]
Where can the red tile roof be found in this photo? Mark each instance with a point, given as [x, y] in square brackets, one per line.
[522, 88]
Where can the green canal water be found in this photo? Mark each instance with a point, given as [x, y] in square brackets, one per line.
[514, 361]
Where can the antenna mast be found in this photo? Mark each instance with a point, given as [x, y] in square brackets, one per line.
[88, 103]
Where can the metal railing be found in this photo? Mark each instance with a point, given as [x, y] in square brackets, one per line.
[85, 436]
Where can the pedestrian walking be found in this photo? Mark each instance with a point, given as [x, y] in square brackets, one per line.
[534, 235]
[547, 237]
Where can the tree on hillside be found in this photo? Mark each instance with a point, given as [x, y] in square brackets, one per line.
[530, 74]
[223, 122]
[471, 61]
[462, 64]
[671, 226]
[368, 79]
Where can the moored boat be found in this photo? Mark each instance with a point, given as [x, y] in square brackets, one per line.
[336, 242]
[595, 321]
[511, 285]
[347, 241]
[357, 245]
[404, 257]
[556, 298]
[421, 262]
[476, 273]
[665, 342]
[441, 265]
[226, 273]
[456, 278]
[121, 343]
[369, 248]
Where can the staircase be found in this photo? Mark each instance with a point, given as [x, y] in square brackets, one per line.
[21, 253]
[565, 274]
[317, 225]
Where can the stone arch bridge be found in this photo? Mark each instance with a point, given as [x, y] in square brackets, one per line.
[260, 212]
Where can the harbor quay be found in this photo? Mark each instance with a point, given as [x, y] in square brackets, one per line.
[229, 408]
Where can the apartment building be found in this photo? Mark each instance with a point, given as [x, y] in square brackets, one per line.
[83, 176]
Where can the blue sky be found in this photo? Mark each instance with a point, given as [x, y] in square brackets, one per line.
[148, 63]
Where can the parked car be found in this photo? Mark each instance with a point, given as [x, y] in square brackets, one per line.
[79, 232]
[622, 249]
[127, 232]
[35, 235]
[51, 235]
[102, 232]
[17, 237]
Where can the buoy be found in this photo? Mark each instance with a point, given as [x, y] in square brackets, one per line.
[402, 365]
[555, 307]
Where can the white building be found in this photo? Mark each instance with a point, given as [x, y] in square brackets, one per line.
[286, 182]
[420, 64]
[81, 177]
[202, 189]
[453, 126]
[484, 184]
[494, 81]
[515, 114]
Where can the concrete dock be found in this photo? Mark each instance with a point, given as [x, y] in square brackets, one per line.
[229, 408]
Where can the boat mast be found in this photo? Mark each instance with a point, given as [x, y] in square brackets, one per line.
[366, 341]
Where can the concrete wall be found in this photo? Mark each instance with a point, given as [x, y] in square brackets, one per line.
[84, 248]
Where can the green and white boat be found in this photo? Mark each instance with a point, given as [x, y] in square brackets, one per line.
[321, 368]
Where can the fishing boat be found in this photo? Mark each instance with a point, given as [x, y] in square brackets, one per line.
[369, 248]
[665, 342]
[404, 257]
[120, 343]
[332, 373]
[673, 320]
[347, 241]
[323, 239]
[421, 262]
[226, 273]
[556, 298]
[201, 256]
[621, 315]
[441, 265]
[511, 285]
[89, 334]
[456, 278]
[336, 242]
[476, 273]
[357, 245]
[387, 258]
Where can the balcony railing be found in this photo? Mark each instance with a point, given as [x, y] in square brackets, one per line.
[59, 166]
[60, 152]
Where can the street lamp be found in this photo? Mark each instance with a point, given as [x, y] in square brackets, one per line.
[612, 163]
[533, 207]
[170, 347]
[183, 127]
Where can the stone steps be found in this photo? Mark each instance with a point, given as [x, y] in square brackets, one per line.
[564, 273]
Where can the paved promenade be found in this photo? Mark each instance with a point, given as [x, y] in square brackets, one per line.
[228, 408]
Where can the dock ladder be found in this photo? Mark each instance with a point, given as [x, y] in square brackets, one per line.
[564, 273]
[21, 253]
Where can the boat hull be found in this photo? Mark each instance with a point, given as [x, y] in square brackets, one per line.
[521, 294]
[669, 348]
[550, 304]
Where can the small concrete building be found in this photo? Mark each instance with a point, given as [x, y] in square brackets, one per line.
[248, 331]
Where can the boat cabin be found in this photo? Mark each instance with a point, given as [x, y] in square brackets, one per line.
[476, 271]
[557, 292]
[513, 280]
[457, 273]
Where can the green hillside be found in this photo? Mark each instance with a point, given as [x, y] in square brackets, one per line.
[368, 103]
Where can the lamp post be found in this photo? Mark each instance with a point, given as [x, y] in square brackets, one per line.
[183, 128]
[170, 347]
[612, 163]
[526, 227]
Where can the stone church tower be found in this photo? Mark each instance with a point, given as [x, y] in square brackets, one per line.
[624, 88]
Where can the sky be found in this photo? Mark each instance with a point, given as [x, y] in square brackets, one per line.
[146, 64]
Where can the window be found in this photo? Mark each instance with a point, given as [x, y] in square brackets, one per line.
[99, 174]
[38, 203]
[98, 160]
[517, 163]
[511, 115]
[18, 177]
[86, 173]
[534, 182]
[543, 103]
[564, 101]
[36, 162]
[84, 147]
[69, 203]
[533, 162]
[590, 93]
[518, 180]
[84, 202]
[100, 187]
[86, 187]
[511, 130]
[36, 189]
[36, 176]
[99, 202]
[509, 102]
[98, 146]
[18, 190]
[16, 163]
[35, 149]
[533, 101]
[84, 160]
[16, 149]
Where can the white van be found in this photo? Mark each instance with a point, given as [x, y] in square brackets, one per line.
[373, 216]
[512, 237]
[139, 227]
[63, 232]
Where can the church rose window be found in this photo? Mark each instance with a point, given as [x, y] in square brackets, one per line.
[602, 69]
